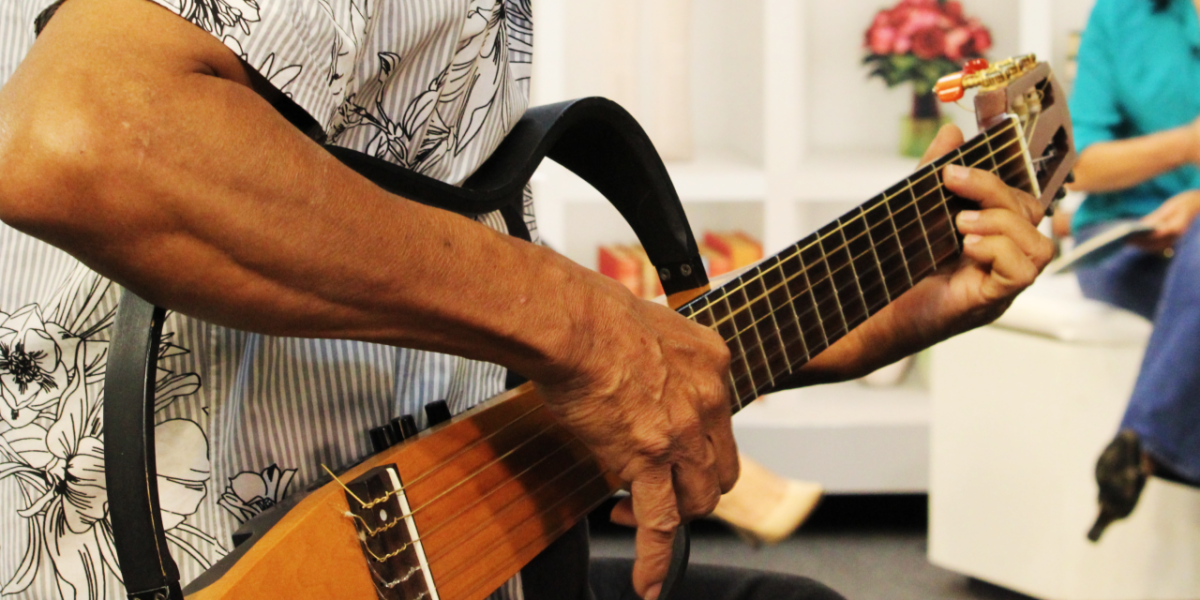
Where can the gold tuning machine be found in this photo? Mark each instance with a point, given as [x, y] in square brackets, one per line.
[979, 74]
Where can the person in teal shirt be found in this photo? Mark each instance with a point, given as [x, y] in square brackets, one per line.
[1135, 108]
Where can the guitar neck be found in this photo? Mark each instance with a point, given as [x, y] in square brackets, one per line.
[786, 310]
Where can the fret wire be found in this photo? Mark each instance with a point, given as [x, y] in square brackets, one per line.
[871, 241]
[854, 269]
[933, 167]
[810, 287]
[836, 298]
[734, 393]
[946, 206]
[821, 238]
[771, 312]
[921, 223]
[753, 325]
[741, 348]
[899, 242]
[791, 304]
[742, 351]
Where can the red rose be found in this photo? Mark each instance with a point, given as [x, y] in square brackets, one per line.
[981, 37]
[881, 39]
[928, 43]
[958, 44]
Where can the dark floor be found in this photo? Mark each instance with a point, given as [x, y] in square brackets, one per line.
[866, 547]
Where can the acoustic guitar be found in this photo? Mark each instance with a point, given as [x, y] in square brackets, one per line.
[453, 512]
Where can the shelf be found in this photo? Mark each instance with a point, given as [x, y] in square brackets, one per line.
[849, 175]
[851, 438]
[712, 177]
[849, 404]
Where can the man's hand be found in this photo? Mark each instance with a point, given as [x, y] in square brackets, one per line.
[1170, 222]
[1003, 253]
[648, 395]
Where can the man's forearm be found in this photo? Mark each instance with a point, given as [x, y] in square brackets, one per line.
[187, 187]
[1122, 164]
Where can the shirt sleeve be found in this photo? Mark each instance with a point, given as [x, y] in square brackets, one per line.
[1095, 108]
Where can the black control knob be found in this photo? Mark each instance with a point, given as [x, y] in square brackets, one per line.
[408, 426]
[396, 431]
[437, 412]
[381, 439]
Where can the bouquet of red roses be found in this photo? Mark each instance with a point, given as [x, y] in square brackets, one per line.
[922, 41]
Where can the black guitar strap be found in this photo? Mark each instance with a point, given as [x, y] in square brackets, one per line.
[594, 138]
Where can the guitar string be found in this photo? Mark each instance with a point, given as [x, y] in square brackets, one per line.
[427, 532]
[461, 482]
[775, 334]
[374, 532]
[934, 170]
[860, 216]
[780, 259]
[849, 264]
[435, 468]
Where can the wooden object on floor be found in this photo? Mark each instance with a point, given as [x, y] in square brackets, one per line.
[765, 508]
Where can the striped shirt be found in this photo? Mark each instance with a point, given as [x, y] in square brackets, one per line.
[244, 419]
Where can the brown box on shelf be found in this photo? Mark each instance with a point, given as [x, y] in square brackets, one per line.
[651, 285]
[741, 249]
[715, 263]
[620, 263]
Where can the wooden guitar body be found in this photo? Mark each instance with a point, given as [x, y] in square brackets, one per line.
[486, 492]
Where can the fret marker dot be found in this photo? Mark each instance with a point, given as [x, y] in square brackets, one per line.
[383, 516]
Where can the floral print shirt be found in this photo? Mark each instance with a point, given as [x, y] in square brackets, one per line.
[243, 419]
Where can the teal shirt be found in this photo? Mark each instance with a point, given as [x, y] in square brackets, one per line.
[1139, 73]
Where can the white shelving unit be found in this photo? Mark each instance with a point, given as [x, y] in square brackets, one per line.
[789, 133]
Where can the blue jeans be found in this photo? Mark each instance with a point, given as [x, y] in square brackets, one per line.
[1165, 407]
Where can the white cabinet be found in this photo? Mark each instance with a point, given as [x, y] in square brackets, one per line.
[788, 133]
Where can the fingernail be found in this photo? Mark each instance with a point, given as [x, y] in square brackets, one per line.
[972, 239]
[968, 216]
[956, 173]
[654, 591]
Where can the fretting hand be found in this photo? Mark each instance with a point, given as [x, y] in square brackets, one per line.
[1003, 253]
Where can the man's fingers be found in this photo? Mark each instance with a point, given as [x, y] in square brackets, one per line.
[622, 513]
[1008, 224]
[725, 447]
[1011, 269]
[991, 192]
[696, 480]
[654, 507]
[948, 138]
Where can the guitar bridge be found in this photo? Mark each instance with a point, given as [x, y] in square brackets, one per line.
[388, 535]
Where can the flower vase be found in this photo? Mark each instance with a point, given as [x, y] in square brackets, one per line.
[918, 129]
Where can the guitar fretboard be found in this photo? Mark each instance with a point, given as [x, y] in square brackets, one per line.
[783, 312]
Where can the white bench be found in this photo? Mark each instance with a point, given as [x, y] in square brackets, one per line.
[1021, 410]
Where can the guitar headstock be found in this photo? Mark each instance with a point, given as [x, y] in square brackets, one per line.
[1027, 89]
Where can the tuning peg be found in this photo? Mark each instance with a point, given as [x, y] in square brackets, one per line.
[437, 412]
[1070, 176]
[381, 439]
[950, 88]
